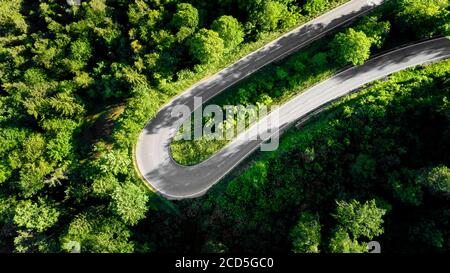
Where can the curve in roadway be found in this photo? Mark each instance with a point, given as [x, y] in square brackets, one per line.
[152, 150]
[177, 182]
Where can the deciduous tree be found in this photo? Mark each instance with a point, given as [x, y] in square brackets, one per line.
[185, 16]
[129, 202]
[351, 47]
[206, 46]
[360, 220]
[230, 30]
[305, 235]
[35, 216]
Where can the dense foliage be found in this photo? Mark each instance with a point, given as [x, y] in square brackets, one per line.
[381, 30]
[77, 84]
[373, 167]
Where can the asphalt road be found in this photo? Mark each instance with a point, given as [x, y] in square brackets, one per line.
[177, 182]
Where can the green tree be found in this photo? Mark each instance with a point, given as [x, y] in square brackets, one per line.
[206, 46]
[406, 187]
[426, 17]
[184, 33]
[185, 16]
[437, 180]
[360, 219]
[32, 177]
[351, 47]
[80, 53]
[11, 21]
[115, 162]
[47, 52]
[5, 172]
[319, 60]
[35, 216]
[230, 30]
[27, 241]
[143, 19]
[355, 222]
[375, 30]
[428, 233]
[103, 185]
[32, 164]
[305, 235]
[315, 6]
[129, 202]
[163, 39]
[65, 105]
[271, 14]
[109, 236]
[94, 232]
[341, 242]
[364, 168]
[60, 147]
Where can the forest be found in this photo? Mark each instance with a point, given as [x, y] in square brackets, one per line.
[78, 83]
[381, 30]
[374, 166]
